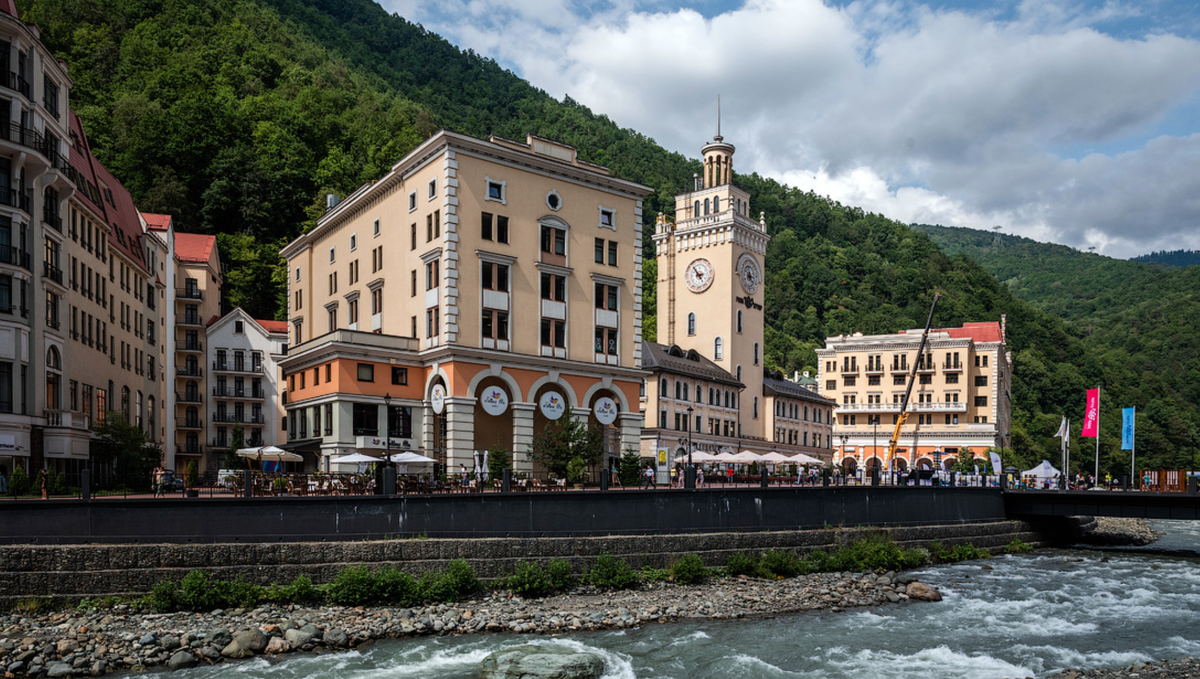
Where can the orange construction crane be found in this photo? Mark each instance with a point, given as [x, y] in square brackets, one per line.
[912, 377]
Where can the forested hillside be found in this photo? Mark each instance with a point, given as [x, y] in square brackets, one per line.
[1170, 258]
[237, 115]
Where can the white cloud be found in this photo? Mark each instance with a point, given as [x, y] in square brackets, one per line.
[924, 115]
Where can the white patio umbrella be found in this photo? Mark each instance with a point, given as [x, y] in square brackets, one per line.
[409, 457]
[801, 458]
[776, 458]
[724, 457]
[269, 454]
[697, 456]
[746, 457]
[354, 458]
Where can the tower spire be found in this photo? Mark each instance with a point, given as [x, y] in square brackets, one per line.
[718, 137]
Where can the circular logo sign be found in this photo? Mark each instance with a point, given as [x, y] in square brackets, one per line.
[605, 410]
[438, 397]
[553, 405]
[494, 401]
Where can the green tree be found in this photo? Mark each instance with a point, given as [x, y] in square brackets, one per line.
[563, 440]
[127, 449]
[237, 440]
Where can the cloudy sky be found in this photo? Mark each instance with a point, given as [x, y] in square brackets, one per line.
[1076, 122]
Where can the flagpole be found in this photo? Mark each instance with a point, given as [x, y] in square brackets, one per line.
[1098, 395]
[1133, 453]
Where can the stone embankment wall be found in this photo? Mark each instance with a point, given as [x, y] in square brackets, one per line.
[76, 571]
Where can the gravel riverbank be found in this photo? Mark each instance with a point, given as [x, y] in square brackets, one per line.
[1184, 668]
[1116, 532]
[76, 644]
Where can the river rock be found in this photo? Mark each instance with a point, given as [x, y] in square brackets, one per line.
[541, 662]
[251, 640]
[297, 637]
[181, 660]
[335, 637]
[61, 669]
[923, 592]
[278, 645]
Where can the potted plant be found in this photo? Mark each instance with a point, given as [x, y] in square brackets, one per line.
[280, 485]
[193, 479]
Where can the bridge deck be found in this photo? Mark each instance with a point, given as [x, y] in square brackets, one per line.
[1132, 505]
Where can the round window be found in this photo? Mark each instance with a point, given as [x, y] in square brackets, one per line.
[553, 200]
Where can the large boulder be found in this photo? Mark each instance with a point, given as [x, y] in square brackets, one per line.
[922, 592]
[251, 640]
[541, 662]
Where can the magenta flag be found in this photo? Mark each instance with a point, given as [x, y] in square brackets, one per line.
[1091, 418]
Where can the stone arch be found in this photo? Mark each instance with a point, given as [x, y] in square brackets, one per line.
[924, 463]
[901, 464]
[849, 464]
[873, 462]
[493, 431]
[554, 221]
[433, 377]
[531, 396]
[514, 389]
[617, 395]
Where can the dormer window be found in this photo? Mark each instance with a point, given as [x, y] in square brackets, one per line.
[495, 190]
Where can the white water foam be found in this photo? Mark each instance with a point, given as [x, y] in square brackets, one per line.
[938, 662]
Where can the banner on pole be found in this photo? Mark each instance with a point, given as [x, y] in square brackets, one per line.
[996, 468]
[1091, 417]
[1127, 428]
[1062, 429]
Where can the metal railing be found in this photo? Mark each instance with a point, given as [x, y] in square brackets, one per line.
[14, 256]
[13, 198]
[189, 293]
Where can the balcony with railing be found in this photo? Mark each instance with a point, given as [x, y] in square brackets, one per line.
[235, 367]
[190, 423]
[924, 368]
[189, 293]
[189, 397]
[189, 450]
[849, 369]
[229, 392]
[52, 272]
[874, 369]
[190, 373]
[16, 83]
[191, 346]
[51, 218]
[234, 418]
[67, 419]
[952, 367]
[189, 319]
[13, 198]
[14, 257]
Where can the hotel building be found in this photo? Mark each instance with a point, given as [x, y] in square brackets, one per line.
[473, 294]
[962, 399]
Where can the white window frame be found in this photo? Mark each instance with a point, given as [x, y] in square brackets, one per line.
[297, 274]
[487, 194]
[332, 255]
[377, 230]
[354, 241]
[612, 215]
[557, 198]
[432, 189]
[412, 201]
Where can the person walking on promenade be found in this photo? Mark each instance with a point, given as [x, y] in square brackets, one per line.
[674, 475]
[649, 474]
[45, 488]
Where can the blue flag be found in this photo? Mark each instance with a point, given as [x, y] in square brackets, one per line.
[1127, 417]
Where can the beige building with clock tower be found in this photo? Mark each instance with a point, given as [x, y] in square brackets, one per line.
[710, 312]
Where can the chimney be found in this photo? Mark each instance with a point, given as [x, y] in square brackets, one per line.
[331, 201]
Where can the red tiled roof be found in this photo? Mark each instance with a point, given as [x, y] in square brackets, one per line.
[273, 326]
[116, 208]
[156, 222]
[9, 6]
[194, 247]
[987, 331]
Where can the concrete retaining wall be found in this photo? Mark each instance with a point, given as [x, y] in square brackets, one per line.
[75, 571]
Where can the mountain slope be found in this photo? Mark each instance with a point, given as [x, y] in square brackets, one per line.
[237, 115]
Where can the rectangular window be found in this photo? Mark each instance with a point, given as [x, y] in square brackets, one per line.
[375, 230]
[981, 380]
[899, 379]
[606, 341]
[606, 218]
[494, 324]
[366, 372]
[554, 287]
[873, 380]
[412, 201]
[366, 419]
[414, 237]
[501, 229]
[981, 401]
[431, 274]
[432, 322]
[554, 333]
[830, 385]
[495, 191]
[606, 297]
[952, 378]
[599, 250]
[432, 189]
[352, 311]
[399, 375]
[849, 381]
[612, 252]
[925, 379]
[485, 226]
[554, 241]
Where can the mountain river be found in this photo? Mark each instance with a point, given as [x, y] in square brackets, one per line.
[1031, 615]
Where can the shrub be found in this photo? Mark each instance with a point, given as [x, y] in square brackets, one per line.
[394, 586]
[742, 563]
[19, 485]
[300, 591]
[559, 573]
[433, 587]
[780, 564]
[196, 592]
[876, 552]
[460, 578]
[969, 553]
[162, 597]
[353, 586]
[689, 570]
[529, 581]
[1018, 546]
[609, 572]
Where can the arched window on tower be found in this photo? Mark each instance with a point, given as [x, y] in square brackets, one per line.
[717, 205]
[707, 202]
[696, 209]
[691, 324]
[739, 373]
[756, 353]
[739, 320]
[718, 349]
[756, 407]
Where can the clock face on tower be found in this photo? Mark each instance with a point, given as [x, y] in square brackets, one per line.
[699, 275]
[749, 273]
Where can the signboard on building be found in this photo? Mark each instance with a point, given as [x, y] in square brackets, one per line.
[494, 401]
[552, 405]
[437, 397]
[605, 410]
[398, 445]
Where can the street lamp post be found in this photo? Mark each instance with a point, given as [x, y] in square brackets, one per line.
[387, 431]
[689, 474]
[875, 437]
[845, 438]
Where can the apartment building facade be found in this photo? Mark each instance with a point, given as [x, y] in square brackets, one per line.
[473, 294]
[961, 401]
[196, 303]
[709, 381]
[244, 383]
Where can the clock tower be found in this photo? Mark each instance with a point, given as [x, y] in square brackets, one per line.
[710, 279]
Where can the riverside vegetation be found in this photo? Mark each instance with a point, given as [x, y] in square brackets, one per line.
[206, 620]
